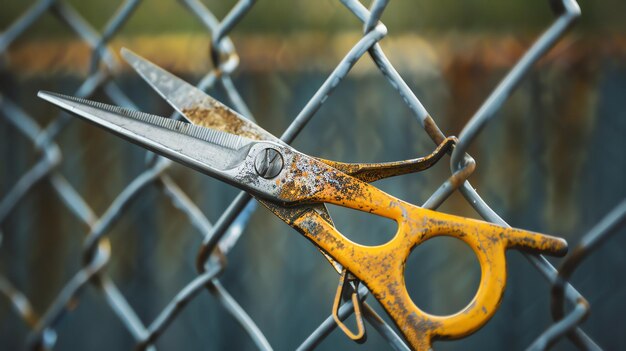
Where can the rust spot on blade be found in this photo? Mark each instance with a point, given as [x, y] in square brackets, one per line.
[222, 119]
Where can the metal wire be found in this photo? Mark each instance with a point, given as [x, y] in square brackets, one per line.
[223, 235]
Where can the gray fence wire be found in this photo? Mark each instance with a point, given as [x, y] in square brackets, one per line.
[221, 236]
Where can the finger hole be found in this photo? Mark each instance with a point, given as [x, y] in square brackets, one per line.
[361, 227]
[442, 275]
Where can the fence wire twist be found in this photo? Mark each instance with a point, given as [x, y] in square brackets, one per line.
[220, 237]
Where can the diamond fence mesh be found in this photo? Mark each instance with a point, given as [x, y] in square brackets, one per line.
[221, 235]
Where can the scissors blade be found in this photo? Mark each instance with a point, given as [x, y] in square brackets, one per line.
[209, 151]
[191, 102]
[201, 109]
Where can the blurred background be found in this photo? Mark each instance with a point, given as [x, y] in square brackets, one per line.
[552, 161]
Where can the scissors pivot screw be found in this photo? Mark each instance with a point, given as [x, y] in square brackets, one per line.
[268, 163]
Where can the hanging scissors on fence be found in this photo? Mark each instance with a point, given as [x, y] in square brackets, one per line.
[295, 187]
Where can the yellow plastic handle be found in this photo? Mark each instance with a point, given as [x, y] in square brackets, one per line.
[381, 268]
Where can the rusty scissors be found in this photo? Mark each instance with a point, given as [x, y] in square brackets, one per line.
[294, 186]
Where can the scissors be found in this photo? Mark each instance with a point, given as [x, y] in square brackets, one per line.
[296, 187]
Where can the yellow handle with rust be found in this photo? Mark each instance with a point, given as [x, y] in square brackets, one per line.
[381, 268]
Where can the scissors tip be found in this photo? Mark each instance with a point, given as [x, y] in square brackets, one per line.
[138, 63]
[128, 55]
[57, 99]
[49, 96]
[42, 94]
[68, 103]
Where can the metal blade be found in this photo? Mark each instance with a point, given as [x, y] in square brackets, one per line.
[201, 109]
[210, 151]
[198, 107]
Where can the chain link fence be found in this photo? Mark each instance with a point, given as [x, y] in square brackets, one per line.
[220, 236]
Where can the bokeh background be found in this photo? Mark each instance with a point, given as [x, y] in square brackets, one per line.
[553, 161]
